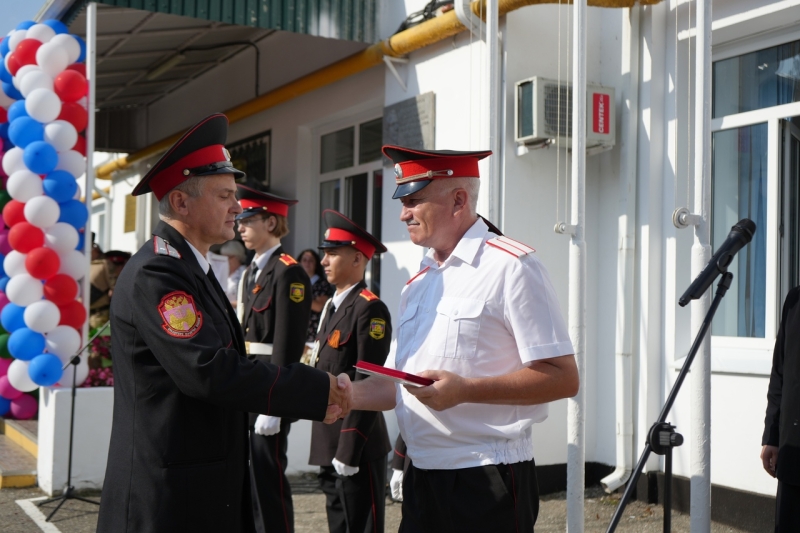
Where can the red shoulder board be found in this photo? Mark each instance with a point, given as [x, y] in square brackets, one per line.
[418, 274]
[515, 248]
[287, 260]
[368, 295]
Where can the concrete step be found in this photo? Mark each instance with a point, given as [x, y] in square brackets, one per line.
[17, 466]
[23, 433]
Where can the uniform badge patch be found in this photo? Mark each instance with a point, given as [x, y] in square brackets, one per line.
[297, 292]
[333, 338]
[180, 315]
[377, 328]
[287, 260]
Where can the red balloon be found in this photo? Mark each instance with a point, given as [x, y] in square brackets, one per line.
[78, 67]
[70, 86]
[24, 237]
[73, 314]
[80, 145]
[60, 289]
[42, 263]
[13, 64]
[75, 114]
[3, 115]
[13, 213]
[25, 52]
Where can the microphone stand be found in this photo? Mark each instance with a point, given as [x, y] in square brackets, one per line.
[69, 490]
[662, 437]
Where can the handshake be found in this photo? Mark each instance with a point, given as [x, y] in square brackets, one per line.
[339, 398]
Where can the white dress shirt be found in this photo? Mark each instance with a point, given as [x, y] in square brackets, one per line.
[483, 312]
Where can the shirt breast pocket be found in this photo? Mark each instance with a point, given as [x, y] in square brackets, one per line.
[456, 328]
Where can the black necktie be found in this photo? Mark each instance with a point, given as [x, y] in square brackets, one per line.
[251, 279]
[328, 317]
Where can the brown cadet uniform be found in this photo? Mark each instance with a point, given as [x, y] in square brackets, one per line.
[274, 305]
[358, 329]
[103, 274]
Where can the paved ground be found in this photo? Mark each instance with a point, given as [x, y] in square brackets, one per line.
[79, 517]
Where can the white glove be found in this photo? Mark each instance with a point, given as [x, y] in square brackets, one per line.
[396, 484]
[267, 425]
[343, 469]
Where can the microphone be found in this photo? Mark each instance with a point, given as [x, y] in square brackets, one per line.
[741, 234]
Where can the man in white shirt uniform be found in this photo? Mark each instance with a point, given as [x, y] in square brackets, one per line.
[482, 319]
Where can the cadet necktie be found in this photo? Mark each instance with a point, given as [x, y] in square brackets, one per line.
[251, 279]
[328, 316]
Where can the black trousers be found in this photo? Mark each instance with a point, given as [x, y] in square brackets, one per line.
[787, 508]
[355, 504]
[496, 498]
[272, 497]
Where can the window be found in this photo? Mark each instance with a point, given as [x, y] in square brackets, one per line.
[251, 156]
[351, 181]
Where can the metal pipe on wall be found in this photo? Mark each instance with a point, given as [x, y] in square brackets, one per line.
[91, 70]
[493, 49]
[577, 276]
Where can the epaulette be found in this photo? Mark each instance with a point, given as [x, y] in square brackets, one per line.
[515, 248]
[287, 260]
[369, 295]
[418, 274]
[162, 247]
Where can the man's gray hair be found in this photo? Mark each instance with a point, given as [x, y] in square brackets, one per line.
[472, 186]
[193, 187]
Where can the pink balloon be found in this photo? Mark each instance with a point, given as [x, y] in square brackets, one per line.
[3, 300]
[24, 407]
[5, 246]
[7, 390]
[4, 364]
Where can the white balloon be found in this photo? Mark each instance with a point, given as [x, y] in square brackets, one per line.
[35, 79]
[40, 32]
[42, 316]
[14, 263]
[71, 161]
[5, 100]
[24, 289]
[22, 73]
[80, 376]
[12, 161]
[16, 38]
[61, 134]
[53, 58]
[23, 185]
[63, 341]
[19, 378]
[61, 237]
[43, 105]
[73, 264]
[69, 44]
[42, 211]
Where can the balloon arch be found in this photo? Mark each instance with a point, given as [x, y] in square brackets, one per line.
[43, 115]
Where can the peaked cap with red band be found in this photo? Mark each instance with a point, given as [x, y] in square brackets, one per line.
[344, 232]
[254, 202]
[199, 152]
[415, 169]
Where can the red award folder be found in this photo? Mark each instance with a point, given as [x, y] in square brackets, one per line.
[393, 375]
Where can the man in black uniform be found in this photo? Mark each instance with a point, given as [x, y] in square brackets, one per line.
[780, 453]
[178, 455]
[274, 307]
[355, 326]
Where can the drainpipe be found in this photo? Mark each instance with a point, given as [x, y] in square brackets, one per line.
[625, 255]
[91, 70]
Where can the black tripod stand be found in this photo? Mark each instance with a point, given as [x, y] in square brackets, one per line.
[662, 437]
[69, 490]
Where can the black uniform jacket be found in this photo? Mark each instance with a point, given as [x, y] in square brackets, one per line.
[364, 330]
[782, 423]
[277, 309]
[178, 455]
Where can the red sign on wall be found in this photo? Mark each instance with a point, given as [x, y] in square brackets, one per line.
[601, 103]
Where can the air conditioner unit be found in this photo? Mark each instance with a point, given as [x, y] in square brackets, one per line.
[544, 113]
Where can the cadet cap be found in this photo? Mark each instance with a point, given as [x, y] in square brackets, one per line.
[254, 202]
[344, 232]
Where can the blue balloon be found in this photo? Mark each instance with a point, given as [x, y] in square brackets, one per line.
[4, 49]
[82, 57]
[3, 282]
[5, 406]
[7, 145]
[2, 270]
[12, 91]
[73, 213]
[40, 157]
[25, 344]
[45, 370]
[4, 131]
[60, 186]
[57, 25]
[16, 110]
[24, 25]
[5, 75]
[81, 241]
[12, 317]
[25, 130]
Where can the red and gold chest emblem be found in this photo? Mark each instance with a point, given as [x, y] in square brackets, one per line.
[180, 315]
